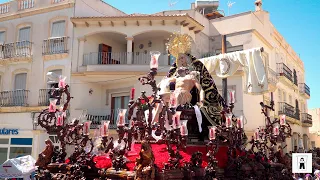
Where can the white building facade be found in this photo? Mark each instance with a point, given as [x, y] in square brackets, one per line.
[35, 38]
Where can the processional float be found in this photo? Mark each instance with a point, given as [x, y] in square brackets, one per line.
[185, 119]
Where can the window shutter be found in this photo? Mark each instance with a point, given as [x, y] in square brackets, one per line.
[24, 34]
[58, 29]
[2, 37]
[20, 81]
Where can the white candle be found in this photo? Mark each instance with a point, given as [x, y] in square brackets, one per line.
[62, 82]
[276, 131]
[240, 122]
[282, 120]
[212, 133]
[256, 135]
[60, 120]
[86, 128]
[154, 59]
[121, 117]
[52, 105]
[184, 128]
[232, 96]
[228, 120]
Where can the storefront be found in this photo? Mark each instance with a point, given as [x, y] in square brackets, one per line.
[18, 137]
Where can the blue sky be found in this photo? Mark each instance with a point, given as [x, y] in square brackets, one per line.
[297, 20]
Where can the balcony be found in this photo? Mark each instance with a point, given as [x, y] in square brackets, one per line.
[272, 80]
[4, 8]
[56, 1]
[25, 4]
[16, 52]
[304, 90]
[46, 94]
[53, 46]
[106, 58]
[285, 73]
[111, 115]
[288, 110]
[14, 98]
[306, 119]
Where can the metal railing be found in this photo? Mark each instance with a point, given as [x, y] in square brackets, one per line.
[56, 45]
[56, 1]
[46, 94]
[304, 88]
[306, 118]
[100, 58]
[25, 4]
[14, 98]
[4, 8]
[288, 110]
[110, 115]
[272, 76]
[283, 70]
[17, 49]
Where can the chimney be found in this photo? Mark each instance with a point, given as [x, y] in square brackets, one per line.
[258, 4]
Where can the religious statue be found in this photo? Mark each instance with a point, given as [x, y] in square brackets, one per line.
[145, 164]
[45, 156]
[184, 82]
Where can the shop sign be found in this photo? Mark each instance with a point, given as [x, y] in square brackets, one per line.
[5, 131]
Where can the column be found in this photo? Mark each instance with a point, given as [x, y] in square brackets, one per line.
[129, 50]
[81, 48]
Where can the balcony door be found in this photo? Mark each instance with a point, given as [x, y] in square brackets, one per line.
[23, 46]
[104, 55]
[56, 42]
[2, 39]
[19, 93]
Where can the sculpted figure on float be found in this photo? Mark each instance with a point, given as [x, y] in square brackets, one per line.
[46, 155]
[184, 81]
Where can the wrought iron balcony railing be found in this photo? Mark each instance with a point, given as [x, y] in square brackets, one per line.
[46, 94]
[288, 110]
[56, 1]
[4, 8]
[102, 58]
[111, 116]
[272, 76]
[14, 98]
[304, 89]
[17, 49]
[306, 118]
[25, 4]
[283, 70]
[56, 45]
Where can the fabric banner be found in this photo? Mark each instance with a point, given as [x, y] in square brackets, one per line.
[225, 65]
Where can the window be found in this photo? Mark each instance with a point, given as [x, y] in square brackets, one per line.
[2, 37]
[24, 34]
[58, 29]
[20, 81]
[14, 147]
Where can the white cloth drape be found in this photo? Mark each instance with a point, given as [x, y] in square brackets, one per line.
[250, 60]
[24, 34]
[58, 29]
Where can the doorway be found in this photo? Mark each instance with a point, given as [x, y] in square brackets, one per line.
[104, 54]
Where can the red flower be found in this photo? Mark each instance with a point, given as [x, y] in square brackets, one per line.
[142, 101]
[67, 161]
[102, 162]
